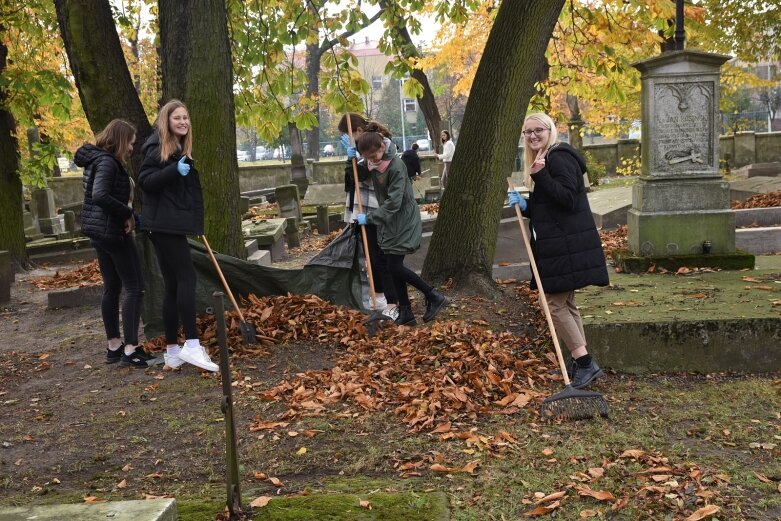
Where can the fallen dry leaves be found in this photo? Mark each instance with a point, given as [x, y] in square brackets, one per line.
[86, 275]
[767, 200]
[648, 480]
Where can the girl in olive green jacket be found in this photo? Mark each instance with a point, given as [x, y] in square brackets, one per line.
[398, 225]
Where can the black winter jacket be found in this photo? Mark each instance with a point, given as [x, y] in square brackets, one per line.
[171, 203]
[565, 242]
[412, 162]
[107, 188]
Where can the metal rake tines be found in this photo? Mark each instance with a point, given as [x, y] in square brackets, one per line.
[573, 404]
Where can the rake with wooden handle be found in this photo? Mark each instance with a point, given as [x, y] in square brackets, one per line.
[571, 403]
[248, 332]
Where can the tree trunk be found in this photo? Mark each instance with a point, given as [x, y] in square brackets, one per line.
[12, 230]
[464, 240]
[99, 68]
[196, 65]
[298, 165]
[313, 55]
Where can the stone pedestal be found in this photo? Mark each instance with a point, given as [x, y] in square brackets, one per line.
[322, 220]
[288, 201]
[680, 201]
[291, 233]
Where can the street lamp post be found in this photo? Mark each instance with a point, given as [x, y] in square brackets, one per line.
[403, 114]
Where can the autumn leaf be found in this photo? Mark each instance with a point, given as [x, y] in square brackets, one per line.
[542, 510]
[275, 481]
[122, 484]
[601, 495]
[260, 502]
[703, 513]
[632, 453]
[551, 497]
[364, 503]
[442, 427]
[93, 499]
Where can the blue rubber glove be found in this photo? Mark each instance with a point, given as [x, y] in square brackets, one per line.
[182, 167]
[360, 218]
[346, 144]
[515, 198]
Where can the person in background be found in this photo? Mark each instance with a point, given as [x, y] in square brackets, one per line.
[565, 241]
[412, 161]
[448, 149]
[172, 210]
[385, 295]
[398, 220]
[107, 219]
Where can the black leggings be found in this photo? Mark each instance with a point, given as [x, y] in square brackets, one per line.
[383, 283]
[402, 276]
[176, 265]
[120, 267]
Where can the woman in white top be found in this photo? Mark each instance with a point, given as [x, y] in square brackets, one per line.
[448, 149]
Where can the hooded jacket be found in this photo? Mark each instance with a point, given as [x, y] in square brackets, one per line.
[565, 240]
[107, 189]
[172, 203]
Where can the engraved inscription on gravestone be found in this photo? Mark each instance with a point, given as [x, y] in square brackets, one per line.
[683, 120]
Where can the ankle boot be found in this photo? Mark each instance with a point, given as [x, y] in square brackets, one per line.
[586, 375]
[434, 304]
[406, 317]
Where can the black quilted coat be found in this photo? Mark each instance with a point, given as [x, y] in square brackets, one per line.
[565, 242]
[107, 188]
[171, 203]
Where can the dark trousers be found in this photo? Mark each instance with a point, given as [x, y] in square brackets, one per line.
[120, 267]
[176, 265]
[402, 276]
[383, 283]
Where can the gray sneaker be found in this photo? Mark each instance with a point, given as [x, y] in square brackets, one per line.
[586, 375]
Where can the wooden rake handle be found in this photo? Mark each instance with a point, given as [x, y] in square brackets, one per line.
[360, 209]
[222, 278]
[543, 301]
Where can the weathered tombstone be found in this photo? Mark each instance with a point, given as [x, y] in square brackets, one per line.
[288, 201]
[31, 232]
[291, 233]
[680, 200]
[243, 204]
[48, 221]
[322, 220]
[6, 276]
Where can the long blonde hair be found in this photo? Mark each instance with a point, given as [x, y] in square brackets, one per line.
[117, 138]
[169, 143]
[528, 154]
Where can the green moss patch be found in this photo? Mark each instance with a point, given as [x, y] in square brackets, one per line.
[629, 263]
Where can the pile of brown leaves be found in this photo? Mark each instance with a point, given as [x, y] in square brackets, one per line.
[767, 200]
[655, 482]
[86, 275]
[429, 376]
[431, 208]
[613, 239]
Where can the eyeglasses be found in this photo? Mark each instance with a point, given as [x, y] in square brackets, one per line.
[536, 131]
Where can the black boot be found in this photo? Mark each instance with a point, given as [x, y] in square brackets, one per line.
[406, 317]
[434, 304]
[586, 375]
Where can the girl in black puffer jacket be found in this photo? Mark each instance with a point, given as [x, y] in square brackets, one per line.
[107, 219]
[172, 210]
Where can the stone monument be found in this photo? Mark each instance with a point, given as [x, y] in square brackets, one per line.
[681, 204]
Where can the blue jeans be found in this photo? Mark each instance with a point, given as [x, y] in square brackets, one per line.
[120, 268]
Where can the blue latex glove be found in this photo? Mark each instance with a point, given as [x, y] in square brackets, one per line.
[515, 198]
[182, 167]
[360, 218]
[346, 144]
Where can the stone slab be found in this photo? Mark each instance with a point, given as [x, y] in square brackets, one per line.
[609, 206]
[260, 257]
[757, 217]
[742, 189]
[151, 510]
[324, 195]
[266, 231]
[759, 241]
[251, 245]
[75, 297]
[759, 170]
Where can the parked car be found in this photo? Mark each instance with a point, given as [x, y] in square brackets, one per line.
[242, 155]
[423, 144]
[328, 150]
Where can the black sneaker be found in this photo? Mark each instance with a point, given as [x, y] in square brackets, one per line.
[114, 355]
[572, 366]
[586, 375]
[406, 317]
[434, 304]
[138, 359]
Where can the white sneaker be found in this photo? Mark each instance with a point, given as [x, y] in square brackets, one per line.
[173, 361]
[381, 302]
[391, 312]
[197, 355]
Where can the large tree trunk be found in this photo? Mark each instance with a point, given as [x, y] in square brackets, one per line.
[313, 55]
[99, 68]
[464, 239]
[196, 65]
[12, 230]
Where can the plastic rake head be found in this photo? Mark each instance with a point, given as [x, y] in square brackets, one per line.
[574, 404]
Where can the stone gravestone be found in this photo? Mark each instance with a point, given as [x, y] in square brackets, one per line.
[44, 209]
[680, 200]
[289, 208]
